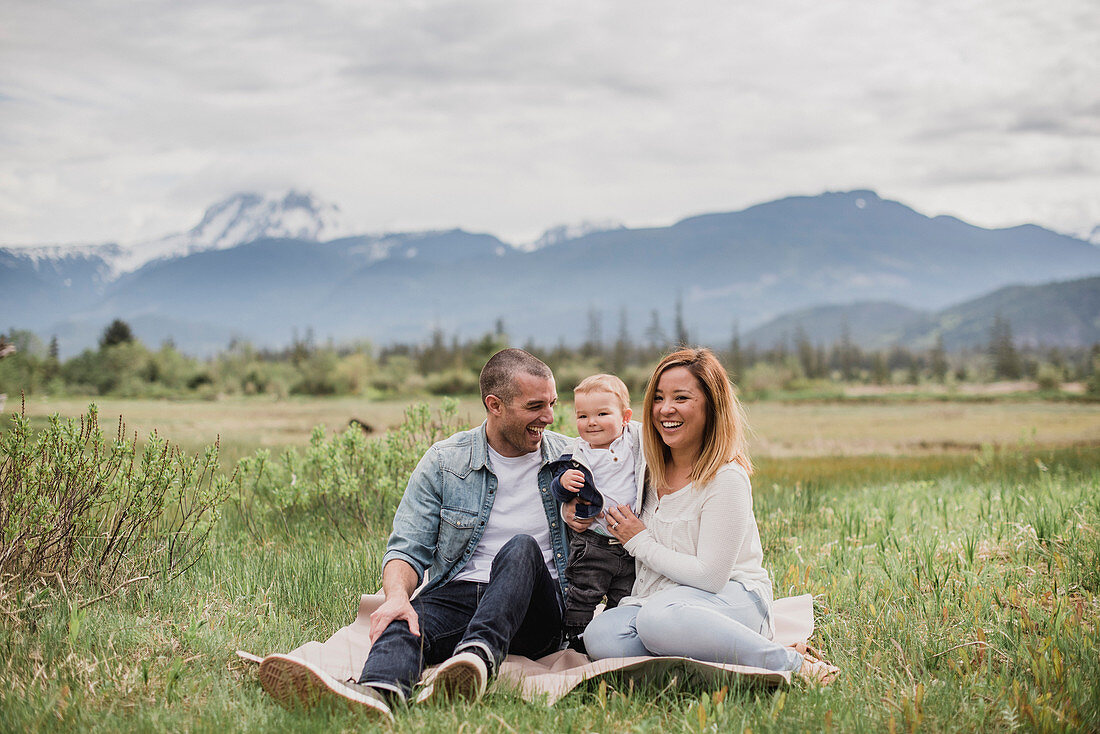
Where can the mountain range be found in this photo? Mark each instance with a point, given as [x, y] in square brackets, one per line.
[262, 268]
[1064, 313]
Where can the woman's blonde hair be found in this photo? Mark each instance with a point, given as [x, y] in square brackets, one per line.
[724, 436]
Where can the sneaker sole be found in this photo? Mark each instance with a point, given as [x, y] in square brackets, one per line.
[459, 681]
[296, 684]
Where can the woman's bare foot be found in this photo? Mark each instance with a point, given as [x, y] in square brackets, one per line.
[815, 670]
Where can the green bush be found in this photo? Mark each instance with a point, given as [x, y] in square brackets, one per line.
[342, 479]
[762, 379]
[76, 505]
[1049, 377]
[453, 382]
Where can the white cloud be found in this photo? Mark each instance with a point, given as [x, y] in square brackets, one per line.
[123, 120]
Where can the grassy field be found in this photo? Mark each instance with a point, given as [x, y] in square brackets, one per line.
[779, 429]
[953, 551]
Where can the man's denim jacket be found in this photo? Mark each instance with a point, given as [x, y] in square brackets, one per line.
[446, 504]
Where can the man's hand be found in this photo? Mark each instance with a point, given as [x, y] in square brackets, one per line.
[569, 514]
[572, 479]
[394, 608]
[398, 581]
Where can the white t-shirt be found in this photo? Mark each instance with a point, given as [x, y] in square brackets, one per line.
[612, 473]
[517, 510]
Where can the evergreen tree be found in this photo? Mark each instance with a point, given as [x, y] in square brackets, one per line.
[938, 359]
[846, 354]
[736, 359]
[118, 332]
[434, 358]
[1093, 384]
[654, 334]
[593, 342]
[880, 370]
[682, 338]
[1002, 350]
[621, 354]
[52, 366]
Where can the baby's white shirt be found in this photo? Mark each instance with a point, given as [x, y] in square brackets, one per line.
[612, 473]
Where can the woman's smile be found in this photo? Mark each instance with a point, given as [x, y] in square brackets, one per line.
[680, 410]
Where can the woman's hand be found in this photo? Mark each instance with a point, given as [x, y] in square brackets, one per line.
[623, 523]
[569, 515]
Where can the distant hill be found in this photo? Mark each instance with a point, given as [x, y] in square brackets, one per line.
[745, 267]
[871, 325]
[1053, 314]
[1063, 314]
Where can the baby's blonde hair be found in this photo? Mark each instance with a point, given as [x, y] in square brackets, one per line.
[605, 383]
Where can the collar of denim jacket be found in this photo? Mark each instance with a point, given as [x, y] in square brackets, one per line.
[479, 458]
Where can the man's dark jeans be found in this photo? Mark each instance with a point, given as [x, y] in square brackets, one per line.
[518, 611]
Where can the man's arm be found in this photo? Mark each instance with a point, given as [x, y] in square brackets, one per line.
[416, 523]
[398, 582]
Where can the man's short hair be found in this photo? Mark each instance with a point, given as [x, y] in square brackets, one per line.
[498, 374]
[605, 383]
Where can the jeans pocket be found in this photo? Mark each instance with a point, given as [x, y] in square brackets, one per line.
[578, 548]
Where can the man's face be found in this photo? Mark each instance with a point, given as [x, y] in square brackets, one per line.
[518, 424]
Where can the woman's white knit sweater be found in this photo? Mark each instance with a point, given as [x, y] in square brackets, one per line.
[702, 537]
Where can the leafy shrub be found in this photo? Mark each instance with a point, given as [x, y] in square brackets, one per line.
[74, 504]
[343, 478]
[453, 382]
[1050, 377]
[762, 380]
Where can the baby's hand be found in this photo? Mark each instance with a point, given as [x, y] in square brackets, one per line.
[573, 480]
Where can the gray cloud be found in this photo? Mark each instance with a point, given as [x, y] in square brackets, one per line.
[123, 120]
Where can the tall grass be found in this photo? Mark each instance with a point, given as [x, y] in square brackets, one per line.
[956, 592]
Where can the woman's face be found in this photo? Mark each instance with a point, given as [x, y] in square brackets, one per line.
[680, 410]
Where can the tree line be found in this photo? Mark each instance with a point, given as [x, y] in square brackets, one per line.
[122, 365]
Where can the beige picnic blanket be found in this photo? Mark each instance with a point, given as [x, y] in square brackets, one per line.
[551, 677]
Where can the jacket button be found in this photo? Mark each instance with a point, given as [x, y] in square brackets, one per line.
[553, 524]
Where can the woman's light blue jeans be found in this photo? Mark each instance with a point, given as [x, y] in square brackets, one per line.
[728, 627]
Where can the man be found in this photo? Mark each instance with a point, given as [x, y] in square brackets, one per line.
[479, 532]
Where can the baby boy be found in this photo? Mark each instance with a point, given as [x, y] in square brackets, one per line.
[606, 468]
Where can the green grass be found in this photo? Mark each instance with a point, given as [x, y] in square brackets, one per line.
[956, 590]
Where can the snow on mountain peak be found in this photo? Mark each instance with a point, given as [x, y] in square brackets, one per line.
[247, 217]
[566, 232]
[243, 217]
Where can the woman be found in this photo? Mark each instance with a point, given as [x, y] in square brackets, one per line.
[701, 590]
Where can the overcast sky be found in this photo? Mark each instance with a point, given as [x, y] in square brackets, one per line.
[121, 121]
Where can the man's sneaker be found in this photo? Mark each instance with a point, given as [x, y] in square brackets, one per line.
[296, 683]
[462, 676]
